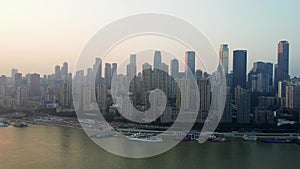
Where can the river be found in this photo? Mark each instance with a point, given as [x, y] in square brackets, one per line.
[50, 147]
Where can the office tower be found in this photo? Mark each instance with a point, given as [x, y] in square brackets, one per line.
[227, 113]
[64, 71]
[13, 74]
[174, 68]
[223, 56]
[242, 102]
[131, 67]
[97, 69]
[22, 93]
[198, 74]
[57, 72]
[3, 86]
[163, 76]
[239, 68]
[204, 87]
[282, 67]
[260, 78]
[101, 97]
[183, 95]
[108, 75]
[114, 69]
[157, 59]
[146, 82]
[292, 96]
[190, 62]
[34, 89]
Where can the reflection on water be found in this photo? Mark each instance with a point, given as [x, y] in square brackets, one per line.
[56, 147]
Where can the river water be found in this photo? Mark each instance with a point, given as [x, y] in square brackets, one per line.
[50, 147]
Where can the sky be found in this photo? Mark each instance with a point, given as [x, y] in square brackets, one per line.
[36, 35]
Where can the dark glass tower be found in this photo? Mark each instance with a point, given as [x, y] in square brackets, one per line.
[282, 67]
[190, 61]
[239, 68]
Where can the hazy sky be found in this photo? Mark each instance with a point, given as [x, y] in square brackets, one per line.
[36, 35]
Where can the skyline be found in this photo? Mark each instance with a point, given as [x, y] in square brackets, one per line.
[60, 36]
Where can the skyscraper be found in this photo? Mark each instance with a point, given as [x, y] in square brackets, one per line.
[64, 71]
[34, 89]
[157, 59]
[13, 74]
[114, 69]
[190, 61]
[223, 56]
[57, 72]
[282, 67]
[239, 68]
[131, 67]
[108, 75]
[174, 68]
[97, 69]
[242, 102]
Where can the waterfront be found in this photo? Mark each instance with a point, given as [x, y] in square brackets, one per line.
[50, 147]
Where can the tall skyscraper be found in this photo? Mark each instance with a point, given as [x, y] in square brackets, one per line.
[282, 67]
[3, 86]
[223, 56]
[114, 69]
[108, 75]
[13, 74]
[97, 69]
[242, 102]
[131, 67]
[239, 68]
[157, 59]
[57, 72]
[204, 87]
[260, 78]
[34, 89]
[64, 71]
[174, 68]
[190, 61]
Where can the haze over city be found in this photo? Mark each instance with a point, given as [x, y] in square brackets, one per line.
[36, 35]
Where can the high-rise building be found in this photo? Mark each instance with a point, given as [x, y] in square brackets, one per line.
[3, 86]
[13, 74]
[97, 69]
[108, 75]
[292, 96]
[239, 68]
[198, 74]
[146, 82]
[242, 102]
[204, 87]
[174, 68]
[114, 69]
[190, 62]
[282, 68]
[131, 67]
[223, 56]
[260, 78]
[157, 59]
[34, 89]
[64, 71]
[227, 113]
[57, 72]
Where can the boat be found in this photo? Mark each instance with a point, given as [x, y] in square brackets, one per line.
[297, 141]
[20, 125]
[186, 136]
[277, 140]
[3, 124]
[214, 138]
[144, 138]
[249, 137]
